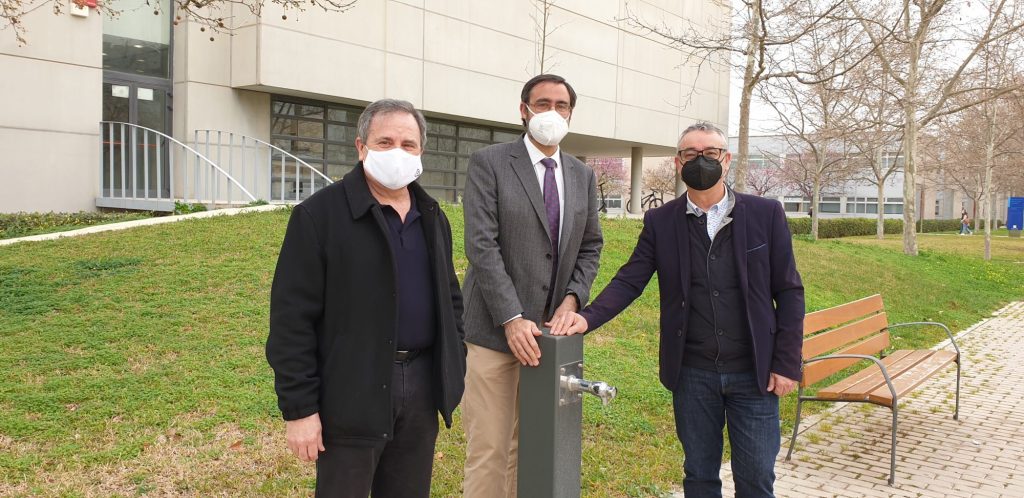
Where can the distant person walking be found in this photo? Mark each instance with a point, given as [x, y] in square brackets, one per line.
[965, 223]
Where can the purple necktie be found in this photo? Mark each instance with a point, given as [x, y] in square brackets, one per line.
[551, 201]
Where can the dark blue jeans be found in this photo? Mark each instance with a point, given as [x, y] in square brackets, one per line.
[704, 402]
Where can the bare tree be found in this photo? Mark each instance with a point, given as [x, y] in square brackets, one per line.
[611, 177]
[543, 28]
[818, 119]
[661, 179]
[752, 40]
[213, 15]
[876, 146]
[979, 151]
[765, 177]
[933, 50]
[999, 59]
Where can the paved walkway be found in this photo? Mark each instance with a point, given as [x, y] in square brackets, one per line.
[845, 451]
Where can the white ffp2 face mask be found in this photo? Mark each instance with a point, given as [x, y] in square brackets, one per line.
[393, 168]
[547, 128]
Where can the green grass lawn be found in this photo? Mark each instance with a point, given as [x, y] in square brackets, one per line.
[1003, 247]
[133, 361]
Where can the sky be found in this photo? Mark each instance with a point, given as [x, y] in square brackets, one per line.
[762, 116]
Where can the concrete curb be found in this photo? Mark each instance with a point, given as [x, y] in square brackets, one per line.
[112, 227]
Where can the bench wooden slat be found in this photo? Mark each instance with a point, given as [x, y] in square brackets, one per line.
[830, 317]
[860, 385]
[827, 341]
[863, 381]
[912, 378]
[821, 369]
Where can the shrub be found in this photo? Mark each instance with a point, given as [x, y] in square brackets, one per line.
[833, 228]
[186, 208]
[800, 226]
[939, 225]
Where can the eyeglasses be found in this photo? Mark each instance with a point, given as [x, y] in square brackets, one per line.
[713, 153]
[544, 105]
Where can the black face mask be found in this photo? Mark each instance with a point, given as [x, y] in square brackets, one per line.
[701, 173]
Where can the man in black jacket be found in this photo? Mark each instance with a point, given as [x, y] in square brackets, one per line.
[366, 337]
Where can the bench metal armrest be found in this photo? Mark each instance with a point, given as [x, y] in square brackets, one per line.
[949, 333]
[881, 366]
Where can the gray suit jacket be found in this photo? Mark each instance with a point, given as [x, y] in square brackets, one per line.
[508, 245]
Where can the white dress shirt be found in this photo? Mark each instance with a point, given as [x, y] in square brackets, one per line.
[535, 156]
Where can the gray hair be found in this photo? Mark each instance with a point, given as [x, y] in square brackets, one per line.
[705, 127]
[388, 106]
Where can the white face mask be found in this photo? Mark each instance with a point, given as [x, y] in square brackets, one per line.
[393, 168]
[547, 128]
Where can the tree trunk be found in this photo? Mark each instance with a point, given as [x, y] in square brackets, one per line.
[986, 191]
[910, 127]
[880, 230]
[746, 93]
[544, 36]
[743, 141]
[815, 206]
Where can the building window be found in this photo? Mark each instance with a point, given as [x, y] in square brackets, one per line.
[829, 205]
[796, 204]
[888, 158]
[862, 205]
[137, 40]
[613, 203]
[323, 134]
[893, 205]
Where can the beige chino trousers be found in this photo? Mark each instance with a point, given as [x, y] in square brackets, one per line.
[490, 417]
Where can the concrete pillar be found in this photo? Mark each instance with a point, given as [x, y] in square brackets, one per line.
[636, 182]
[680, 186]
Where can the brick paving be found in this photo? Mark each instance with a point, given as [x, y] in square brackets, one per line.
[844, 452]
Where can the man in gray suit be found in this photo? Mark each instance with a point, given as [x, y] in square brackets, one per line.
[533, 242]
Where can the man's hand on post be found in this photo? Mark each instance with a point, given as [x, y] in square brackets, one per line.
[780, 385]
[574, 324]
[520, 334]
[304, 437]
[563, 316]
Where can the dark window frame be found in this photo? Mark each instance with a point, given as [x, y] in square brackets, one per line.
[449, 191]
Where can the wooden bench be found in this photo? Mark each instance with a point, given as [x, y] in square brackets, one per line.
[838, 337]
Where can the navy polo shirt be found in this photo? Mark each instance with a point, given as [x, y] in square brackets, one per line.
[417, 321]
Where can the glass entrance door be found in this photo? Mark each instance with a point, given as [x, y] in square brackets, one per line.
[135, 160]
[136, 91]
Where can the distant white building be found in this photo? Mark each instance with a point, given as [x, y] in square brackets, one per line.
[852, 197]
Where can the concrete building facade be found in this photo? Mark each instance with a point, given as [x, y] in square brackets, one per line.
[297, 80]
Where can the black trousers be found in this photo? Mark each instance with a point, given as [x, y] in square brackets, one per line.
[398, 468]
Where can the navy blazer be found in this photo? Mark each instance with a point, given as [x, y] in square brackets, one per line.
[771, 286]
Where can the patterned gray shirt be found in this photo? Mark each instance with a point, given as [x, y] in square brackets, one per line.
[718, 215]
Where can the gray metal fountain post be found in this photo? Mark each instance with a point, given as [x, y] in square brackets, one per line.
[551, 418]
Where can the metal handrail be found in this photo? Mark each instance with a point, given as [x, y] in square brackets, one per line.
[302, 170]
[133, 138]
[276, 148]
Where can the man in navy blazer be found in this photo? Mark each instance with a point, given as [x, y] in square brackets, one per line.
[732, 309]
